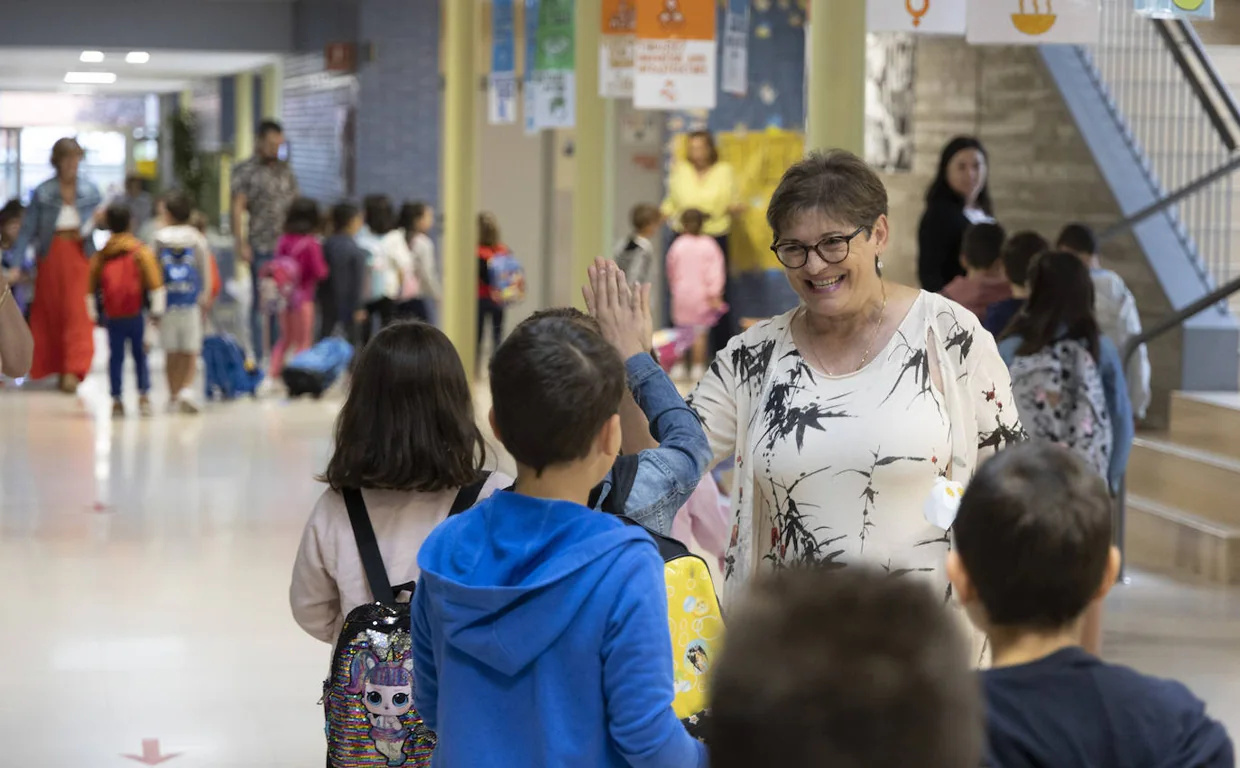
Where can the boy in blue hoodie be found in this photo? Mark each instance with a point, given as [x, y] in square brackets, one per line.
[1033, 551]
[540, 634]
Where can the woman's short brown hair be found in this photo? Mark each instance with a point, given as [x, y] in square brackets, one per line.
[63, 148]
[837, 184]
[709, 138]
[408, 423]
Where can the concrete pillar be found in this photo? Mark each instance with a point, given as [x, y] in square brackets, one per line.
[836, 81]
[590, 237]
[273, 92]
[243, 116]
[459, 313]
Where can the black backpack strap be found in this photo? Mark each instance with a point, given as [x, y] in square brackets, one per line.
[467, 497]
[368, 547]
[623, 473]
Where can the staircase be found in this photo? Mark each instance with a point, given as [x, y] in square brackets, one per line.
[1183, 506]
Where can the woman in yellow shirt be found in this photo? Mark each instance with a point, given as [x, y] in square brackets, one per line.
[704, 183]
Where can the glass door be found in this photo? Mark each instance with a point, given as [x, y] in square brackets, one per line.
[10, 164]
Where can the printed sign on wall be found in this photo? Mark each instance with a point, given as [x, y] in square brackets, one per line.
[1198, 10]
[502, 83]
[735, 77]
[675, 55]
[1034, 22]
[927, 17]
[615, 51]
[555, 90]
[531, 52]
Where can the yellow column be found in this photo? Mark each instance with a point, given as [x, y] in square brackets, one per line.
[243, 116]
[590, 239]
[836, 110]
[273, 92]
[460, 179]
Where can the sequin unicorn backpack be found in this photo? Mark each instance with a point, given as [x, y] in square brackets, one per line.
[368, 700]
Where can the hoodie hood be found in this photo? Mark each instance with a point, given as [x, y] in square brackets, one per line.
[508, 577]
[179, 236]
[119, 245]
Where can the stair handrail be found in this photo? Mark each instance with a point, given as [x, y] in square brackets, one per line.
[1167, 201]
[1221, 90]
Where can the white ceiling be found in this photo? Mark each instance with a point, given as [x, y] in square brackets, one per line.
[43, 69]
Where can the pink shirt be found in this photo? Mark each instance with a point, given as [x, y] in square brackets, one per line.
[976, 294]
[308, 253]
[697, 274]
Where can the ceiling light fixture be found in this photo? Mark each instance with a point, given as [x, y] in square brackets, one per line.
[91, 57]
[137, 57]
[90, 78]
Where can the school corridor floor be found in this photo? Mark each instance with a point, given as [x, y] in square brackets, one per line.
[144, 570]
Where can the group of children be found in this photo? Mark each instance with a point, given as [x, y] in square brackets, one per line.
[539, 629]
[1061, 321]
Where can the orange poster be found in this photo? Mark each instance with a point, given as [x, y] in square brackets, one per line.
[674, 59]
[615, 64]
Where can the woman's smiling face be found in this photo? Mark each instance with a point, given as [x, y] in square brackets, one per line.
[844, 288]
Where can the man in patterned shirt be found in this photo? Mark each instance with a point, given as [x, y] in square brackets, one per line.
[263, 186]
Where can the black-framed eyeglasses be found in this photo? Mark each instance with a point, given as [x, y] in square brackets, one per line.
[832, 250]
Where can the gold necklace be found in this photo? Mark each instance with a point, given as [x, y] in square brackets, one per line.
[865, 357]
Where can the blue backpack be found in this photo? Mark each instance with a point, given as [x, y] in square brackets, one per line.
[181, 279]
[225, 370]
[311, 372]
[507, 278]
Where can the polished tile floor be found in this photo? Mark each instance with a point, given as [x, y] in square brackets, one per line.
[144, 567]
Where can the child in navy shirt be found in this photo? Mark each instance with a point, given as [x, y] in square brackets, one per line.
[1033, 552]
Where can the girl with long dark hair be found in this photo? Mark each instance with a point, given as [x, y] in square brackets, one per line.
[958, 197]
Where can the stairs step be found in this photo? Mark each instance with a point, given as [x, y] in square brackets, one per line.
[1201, 483]
[1207, 421]
[1178, 543]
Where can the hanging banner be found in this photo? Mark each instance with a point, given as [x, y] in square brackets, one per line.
[925, 17]
[735, 75]
[531, 49]
[502, 83]
[554, 84]
[675, 55]
[1197, 10]
[1034, 22]
[615, 51]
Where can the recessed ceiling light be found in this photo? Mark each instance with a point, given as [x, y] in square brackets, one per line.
[90, 78]
[137, 57]
[91, 57]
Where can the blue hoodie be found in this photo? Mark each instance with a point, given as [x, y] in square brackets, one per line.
[540, 638]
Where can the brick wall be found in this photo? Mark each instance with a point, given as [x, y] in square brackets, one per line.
[318, 109]
[1042, 174]
[398, 122]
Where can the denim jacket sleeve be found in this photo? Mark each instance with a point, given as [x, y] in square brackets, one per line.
[667, 475]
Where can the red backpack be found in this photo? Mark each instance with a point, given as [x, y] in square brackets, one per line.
[121, 284]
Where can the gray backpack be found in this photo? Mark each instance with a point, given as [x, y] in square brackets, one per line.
[1060, 398]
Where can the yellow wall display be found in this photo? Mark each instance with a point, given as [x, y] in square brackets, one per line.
[759, 159]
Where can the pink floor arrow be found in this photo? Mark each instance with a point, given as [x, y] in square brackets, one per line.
[150, 753]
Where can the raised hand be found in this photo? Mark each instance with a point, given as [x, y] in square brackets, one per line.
[618, 309]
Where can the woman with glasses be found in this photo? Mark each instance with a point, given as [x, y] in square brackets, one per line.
[847, 415]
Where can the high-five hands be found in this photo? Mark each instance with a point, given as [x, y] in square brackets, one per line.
[622, 311]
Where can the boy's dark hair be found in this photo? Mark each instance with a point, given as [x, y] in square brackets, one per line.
[118, 218]
[408, 423]
[982, 246]
[380, 214]
[488, 229]
[566, 313]
[1018, 254]
[554, 384]
[1078, 238]
[343, 214]
[303, 217]
[1034, 534]
[797, 686]
[643, 216]
[268, 126]
[12, 210]
[410, 213]
[179, 206]
[691, 221]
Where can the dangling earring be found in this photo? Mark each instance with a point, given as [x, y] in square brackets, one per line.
[878, 264]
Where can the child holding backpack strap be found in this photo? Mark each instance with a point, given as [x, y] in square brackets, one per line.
[1067, 378]
[123, 275]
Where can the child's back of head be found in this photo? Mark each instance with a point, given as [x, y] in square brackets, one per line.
[1079, 240]
[118, 218]
[178, 207]
[1018, 254]
[692, 221]
[556, 388]
[982, 247]
[644, 218]
[850, 667]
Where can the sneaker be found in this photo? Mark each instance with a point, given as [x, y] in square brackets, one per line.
[144, 407]
[69, 383]
[118, 409]
[187, 404]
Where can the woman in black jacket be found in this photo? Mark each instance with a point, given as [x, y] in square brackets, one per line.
[958, 198]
